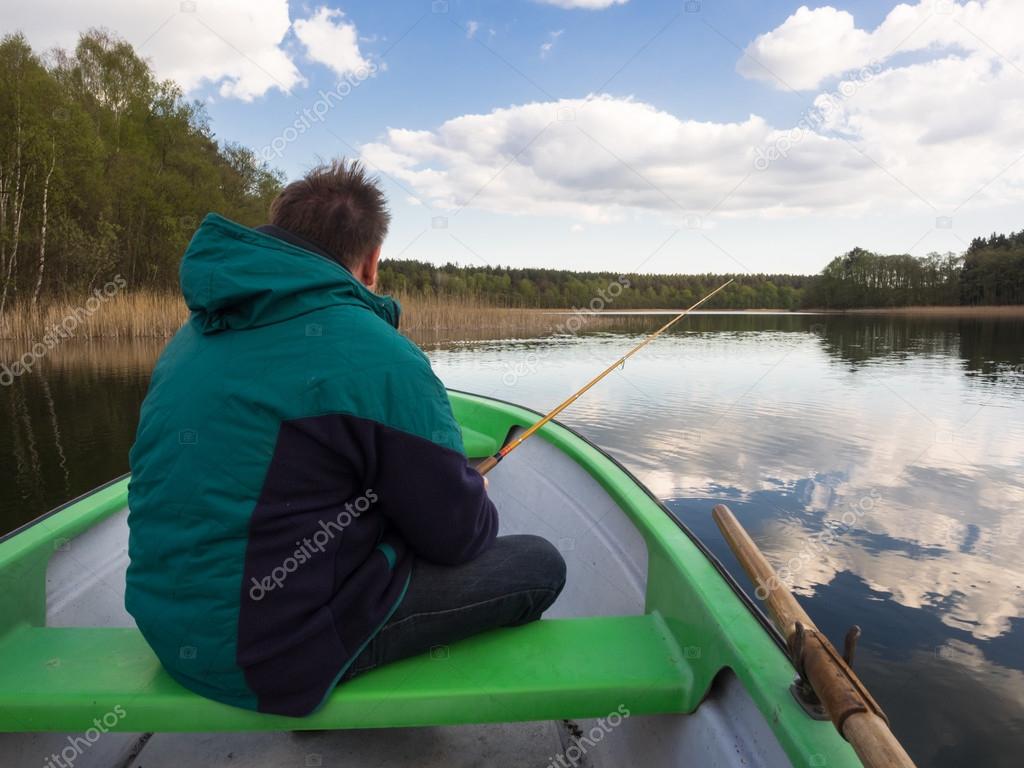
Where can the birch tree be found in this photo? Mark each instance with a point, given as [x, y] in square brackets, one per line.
[43, 222]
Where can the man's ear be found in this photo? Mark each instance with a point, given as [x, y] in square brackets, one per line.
[366, 272]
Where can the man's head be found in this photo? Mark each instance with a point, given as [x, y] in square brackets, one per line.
[337, 207]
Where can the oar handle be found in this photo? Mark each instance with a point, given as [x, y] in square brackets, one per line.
[853, 710]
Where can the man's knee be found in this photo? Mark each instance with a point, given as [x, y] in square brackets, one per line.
[542, 567]
[550, 563]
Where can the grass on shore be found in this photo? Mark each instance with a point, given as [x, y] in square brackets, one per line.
[158, 315]
[124, 316]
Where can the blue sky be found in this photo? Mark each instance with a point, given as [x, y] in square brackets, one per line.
[724, 135]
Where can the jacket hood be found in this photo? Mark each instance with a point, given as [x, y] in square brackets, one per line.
[233, 277]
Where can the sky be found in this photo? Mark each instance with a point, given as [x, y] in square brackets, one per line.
[621, 135]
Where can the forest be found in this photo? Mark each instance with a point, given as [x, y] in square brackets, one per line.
[990, 272]
[106, 170]
[550, 288]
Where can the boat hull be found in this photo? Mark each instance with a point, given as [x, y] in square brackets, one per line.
[723, 699]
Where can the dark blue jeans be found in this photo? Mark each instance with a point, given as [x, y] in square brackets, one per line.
[512, 583]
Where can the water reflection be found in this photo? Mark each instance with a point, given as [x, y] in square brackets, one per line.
[877, 459]
[68, 424]
[896, 443]
[986, 348]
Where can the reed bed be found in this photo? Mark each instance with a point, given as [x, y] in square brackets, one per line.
[158, 315]
[426, 318]
[140, 314]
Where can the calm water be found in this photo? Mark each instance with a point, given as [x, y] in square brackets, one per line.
[903, 437]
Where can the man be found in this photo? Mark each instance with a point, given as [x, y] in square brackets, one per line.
[301, 507]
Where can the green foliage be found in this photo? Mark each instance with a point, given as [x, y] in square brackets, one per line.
[993, 271]
[865, 279]
[120, 168]
[559, 288]
[135, 167]
[990, 272]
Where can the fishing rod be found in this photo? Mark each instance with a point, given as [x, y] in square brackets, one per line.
[491, 462]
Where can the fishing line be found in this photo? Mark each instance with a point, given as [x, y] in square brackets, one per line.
[491, 462]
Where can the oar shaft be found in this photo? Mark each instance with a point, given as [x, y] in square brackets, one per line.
[853, 710]
[781, 604]
[491, 462]
[874, 743]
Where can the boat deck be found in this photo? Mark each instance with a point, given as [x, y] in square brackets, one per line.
[648, 657]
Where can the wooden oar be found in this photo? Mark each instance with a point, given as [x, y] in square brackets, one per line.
[855, 714]
[491, 462]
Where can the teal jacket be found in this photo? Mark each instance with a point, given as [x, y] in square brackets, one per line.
[295, 455]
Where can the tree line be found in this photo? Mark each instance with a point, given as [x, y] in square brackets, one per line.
[106, 170]
[560, 288]
[990, 271]
[993, 270]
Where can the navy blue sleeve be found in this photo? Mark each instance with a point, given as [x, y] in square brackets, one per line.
[434, 498]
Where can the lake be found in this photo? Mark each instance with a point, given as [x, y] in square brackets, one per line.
[900, 437]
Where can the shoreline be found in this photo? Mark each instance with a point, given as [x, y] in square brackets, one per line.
[954, 310]
[948, 310]
[158, 315]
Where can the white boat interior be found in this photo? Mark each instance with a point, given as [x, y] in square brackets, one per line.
[538, 489]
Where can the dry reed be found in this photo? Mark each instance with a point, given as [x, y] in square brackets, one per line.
[139, 314]
[158, 315]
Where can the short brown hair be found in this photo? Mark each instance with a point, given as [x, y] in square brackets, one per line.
[337, 207]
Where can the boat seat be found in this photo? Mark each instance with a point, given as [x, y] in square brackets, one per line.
[62, 679]
[477, 444]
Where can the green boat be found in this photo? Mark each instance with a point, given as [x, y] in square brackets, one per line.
[652, 656]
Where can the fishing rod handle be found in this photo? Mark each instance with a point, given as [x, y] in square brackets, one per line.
[487, 464]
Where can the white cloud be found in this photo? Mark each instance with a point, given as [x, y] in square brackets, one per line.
[471, 28]
[613, 156]
[590, 5]
[235, 44]
[813, 45]
[923, 137]
[545, 47]
[600, 159]
[331, 41]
